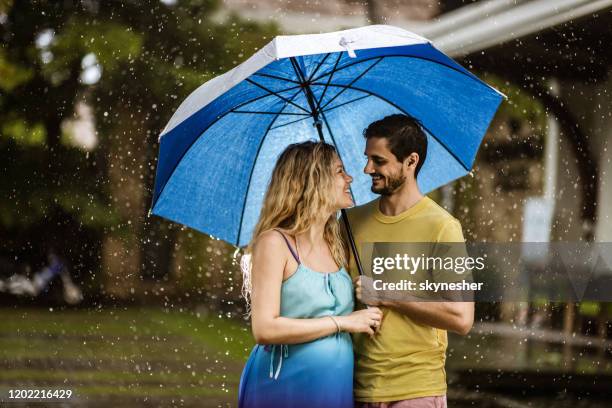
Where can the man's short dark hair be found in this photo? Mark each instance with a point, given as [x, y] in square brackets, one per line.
[404, 135]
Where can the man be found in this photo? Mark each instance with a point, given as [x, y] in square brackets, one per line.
[403, 364]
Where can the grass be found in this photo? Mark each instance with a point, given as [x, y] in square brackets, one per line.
[136, 353]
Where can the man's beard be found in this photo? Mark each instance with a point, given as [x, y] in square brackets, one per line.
[393, 183]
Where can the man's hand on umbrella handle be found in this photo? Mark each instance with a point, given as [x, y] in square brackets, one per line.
[365, 292]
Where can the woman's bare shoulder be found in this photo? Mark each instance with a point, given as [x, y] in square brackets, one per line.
[270, 249]
[269, 240]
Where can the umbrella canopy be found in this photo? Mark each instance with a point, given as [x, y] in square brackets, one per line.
[219, 148]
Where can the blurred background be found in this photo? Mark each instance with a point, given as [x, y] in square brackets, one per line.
[121, 307]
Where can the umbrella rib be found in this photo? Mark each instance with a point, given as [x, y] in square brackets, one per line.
[331, 74]
[253, 167]
[406, 113]
[346, 103]
[290, 123]
[243, 104]
[276, 94]
[298, 72]
[318, 66]
[208, 127]
[467, 74]
[317, 110]
[307, 93]
[365, 71]
[276, 77]
[336, 69]
[331, 135]
[271, 113]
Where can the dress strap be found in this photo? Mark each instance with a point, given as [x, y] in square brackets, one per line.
[296, 256]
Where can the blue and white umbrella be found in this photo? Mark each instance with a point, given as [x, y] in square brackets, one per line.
[218, 150]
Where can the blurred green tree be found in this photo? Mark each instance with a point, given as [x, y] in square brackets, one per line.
[131, 63]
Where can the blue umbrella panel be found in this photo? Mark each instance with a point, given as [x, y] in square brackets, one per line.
[215, 165]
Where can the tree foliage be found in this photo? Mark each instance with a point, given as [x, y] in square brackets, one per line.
[133, 62]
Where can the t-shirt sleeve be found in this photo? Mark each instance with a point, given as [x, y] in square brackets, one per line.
[450, 244]
[451, 231]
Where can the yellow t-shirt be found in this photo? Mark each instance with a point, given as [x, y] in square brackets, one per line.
[405, 359]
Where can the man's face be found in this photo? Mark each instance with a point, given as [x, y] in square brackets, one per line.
[388, 174]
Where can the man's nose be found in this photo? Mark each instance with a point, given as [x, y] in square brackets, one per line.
[368, 169]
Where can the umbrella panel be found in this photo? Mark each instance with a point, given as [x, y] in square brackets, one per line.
[225, 168]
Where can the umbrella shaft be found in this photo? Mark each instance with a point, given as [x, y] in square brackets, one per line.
[315, 115]
[349, 234]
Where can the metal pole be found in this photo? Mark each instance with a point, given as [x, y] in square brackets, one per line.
[317, 122]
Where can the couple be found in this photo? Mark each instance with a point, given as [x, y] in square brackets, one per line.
[302, 305]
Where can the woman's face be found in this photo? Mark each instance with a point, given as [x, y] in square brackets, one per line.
[342, 181]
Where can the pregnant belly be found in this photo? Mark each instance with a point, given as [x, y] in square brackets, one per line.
[318, 373]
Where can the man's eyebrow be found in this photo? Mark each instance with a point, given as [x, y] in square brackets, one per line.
[375, 156]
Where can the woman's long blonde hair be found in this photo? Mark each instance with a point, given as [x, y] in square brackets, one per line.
[300, 190]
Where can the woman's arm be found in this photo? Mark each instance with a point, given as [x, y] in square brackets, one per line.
[269, 260]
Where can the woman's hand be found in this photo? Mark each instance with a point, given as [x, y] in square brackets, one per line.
[361, 321]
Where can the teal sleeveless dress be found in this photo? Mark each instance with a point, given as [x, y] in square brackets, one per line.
[318, 373]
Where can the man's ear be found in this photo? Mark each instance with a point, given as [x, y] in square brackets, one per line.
[412, 160]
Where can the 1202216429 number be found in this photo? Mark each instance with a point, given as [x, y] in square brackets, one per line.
[39, 394]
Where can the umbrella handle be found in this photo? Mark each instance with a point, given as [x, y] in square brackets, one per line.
[349, 233]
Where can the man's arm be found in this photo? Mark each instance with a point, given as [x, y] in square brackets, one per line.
[457, 317]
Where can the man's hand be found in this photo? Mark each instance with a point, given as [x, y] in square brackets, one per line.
[457, 317]
[364, 291]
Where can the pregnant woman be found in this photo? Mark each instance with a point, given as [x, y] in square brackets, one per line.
[301, 295]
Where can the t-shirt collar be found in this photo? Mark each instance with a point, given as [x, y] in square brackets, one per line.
[390, 219]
